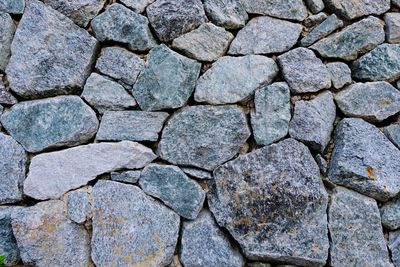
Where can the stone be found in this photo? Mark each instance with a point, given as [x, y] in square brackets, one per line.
[328, 26]
[390, 214]
[130, 228]
[292, 9]
[355, 39]
[355, 229]
[315, 6]
[50, 55]
[230, 14]
[392, 132]
[8, 244]
[55, 173]
[322, 164]
[270, 116]
[203, 244]
[197, 173]
[340, 74]
[265, 35]
[7, 30]
[129, 177]
[6, 98]
[171, 185]
[79, 205]
[358, 8]
[304, 71]
[122, 25]
[138, 6]
[131, 125]
[372, 101]
[206, 43]
[12, 6]
[104, 94]
[259, 264]
[394, 246]
[168, 80]
[208, 136]
[272, 201]
[365, 160]
[314, 20]
[392, 21]
[172, 18]
[234, 79]
[50, 123]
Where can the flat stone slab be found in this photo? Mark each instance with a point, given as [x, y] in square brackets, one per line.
[8, 245]
[329, 25]
[340, 74]
[7, 30]
[293, 10]
[352, 9]
[197, 173]
[390, 214]
[392, 21]
[129, 177]
[393, 133]
[12, 6]
[230, 14]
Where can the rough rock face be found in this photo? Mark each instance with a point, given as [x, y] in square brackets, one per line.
[394, 246]
[129, 177]
[230, 14]
[197, 173]
[390, 214]
[8, 244]
[315, 6]
[79, 205]
[340, 74]
[6, 98]
[137, 5]
[7, 30]
[352, 9]
[326, 27]
[291, 9]
[12, 6]
[393, 133]
[392, 21]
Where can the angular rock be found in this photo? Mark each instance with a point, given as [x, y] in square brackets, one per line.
[55, 173]
[130, 228]
[234, 79]
[314, 20]
[7, 30]
[365, 160]
[6, 98]
[340, 74]
[208, 136]
[230, 14]
[273, 202]
[8, 244]
[292, 9]
[168, 80]
[392, 21]
[352, 9]
[315, 6]
[131, 125]
[390, 214]
[328, 26]
[303, 71]
[12, 6]
[137, 5]
[394, 246]
[260, 264]
[197, 173]
[396, 3]
[50, 55]
[322, 164]
[265, 35]
[203, 244]
[79, 205]
[50, 123]
[393, 133]
[122, 25]
[129, 177]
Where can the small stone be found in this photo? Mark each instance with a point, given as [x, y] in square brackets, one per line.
[6, 98]
[304, 71]
[328, 26]
[393, 133]
[12, 6]
[373, 101]
[315, 6]
[230, 14]
[197, 173]
[79, 205]
[52, 122]
[259, 264]
[8, 244]
[130, 228]
[352, 9]
[392, 21]
[138, 6]
[131, 125]
[208, 136]
[271, 115]
[265, 35]
[168, 80]
[390, 214]
[206, 43]
[394, 246]
[234, 79]
[340, 74]
[7, 30]
[122, 25]
[203, 244]
[322, 164]
[293, 10]
[356, 231]
[55, 173]
[129, 177]
[314, 20]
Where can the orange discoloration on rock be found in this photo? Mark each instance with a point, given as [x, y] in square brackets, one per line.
[371, 173]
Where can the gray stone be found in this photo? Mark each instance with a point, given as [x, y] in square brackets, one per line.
[137, 5]
[131, 125]
[265, 35]
[8, 244]
[365, 160]
[208, 136]
[46, 237]
[340, 74]
[206, 43]
[129, 177]
[7, 30]
[304, 71]
[394, 246]
[203, 244]
[258, 264]
[273, 203]
[322, 164]
[328, 26]
[393, 133]
[197, 173]
[52, 122]
[6, 98]
[290, 9]
[234, 79]
[50, 55]
[315, 6]
[130, 228]
[55, 173]
[372, 101]
[230, 14]
[355, 39]
[392, 21]
[270, 116]
[168, 80]
[79, 205]
[356, 231]
[390, 214]
[122, 25]
[12, 6]
[171, 185]
[314, 20]
[352, 9]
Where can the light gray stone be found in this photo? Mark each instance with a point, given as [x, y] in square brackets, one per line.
[8, 244]
[322, 164]
[197, 173]
[394, 246]
[314, 20]
[352, 9]
[7, 30]
[79, 205]
[315, 6]
[137, 5]
[393, 133]
[6, 98]
[390, 214]
[326, 27]
[12, 6]
[290, 9]
[230, 14]
[340, 74]
[129, 177]
[392, 21]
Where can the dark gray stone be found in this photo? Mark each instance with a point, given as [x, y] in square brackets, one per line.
[6, 98]
[315, 6]
[328, 26]
[129, 177]
[12, 6]
[394, 246]
[396, 3]
[352, 9]
[340, 74]
[322, 164]
[230, 14]
[314, 20]
[392, 21]
[290, 9]
[79, 205]
[197, 173]
[7, 30]
[393, 133]
[137, 5]
[8, 244]
[390, 214]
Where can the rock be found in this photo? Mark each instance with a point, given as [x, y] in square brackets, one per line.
[265, 35]
[340, 74]
[104, 94]
[390, 214]
[303, 71]
[172, 18]
[50, 55]
[357, 38]
[46, 237]
[230, 14]
[259, 264]
[130, 228]
[355, 230]
[393, 133]
[328, 26]
[171, 185]
[206, 43]
[197, 173]
[394, 246]
[6, 98]
[208, 136]
[55, 173]
[131, 125]
[122, 25]
[273, 203]
[315, 5]
[203, 244]
[12, 6]
[314, 20]
[13, 161]
[373, 101]
[322, 164]
[271, 115]
[52, 122]
[234, 79]
[293, 10]
[129, 177]
[392, 21]
[8, 244]
[396, 3]
[7, 30]
[137, 5]
[168, 80]
[358, 8]
[365, 160]
[312, 121]
[79, 205]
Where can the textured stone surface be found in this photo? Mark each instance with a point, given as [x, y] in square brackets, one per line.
[390, 214]
[197, 173]
[352, 9]
[233, 79]
[340, 74]
[392, 21]
[322, 164]
[52, 174]
[129, 177]
[315, 6]
[393, 133]
[79, 205]
[12, 6]
[328, 26]
[394, 246]
[7, 30]
[137, 5]
[6, 98]
[230, 14]
[313, 20]
[291, 9]
[8, 244]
